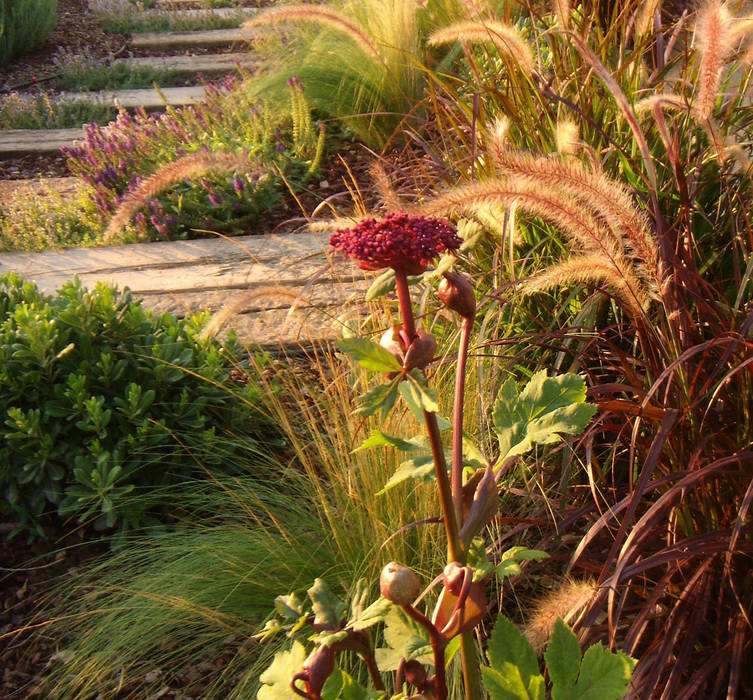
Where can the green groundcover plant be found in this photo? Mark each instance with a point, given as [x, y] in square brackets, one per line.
[104, 405]
[417, 645]
[24, 25]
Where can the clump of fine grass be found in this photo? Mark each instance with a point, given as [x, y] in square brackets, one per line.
[24, 25]
[41, 111]
[310, 509]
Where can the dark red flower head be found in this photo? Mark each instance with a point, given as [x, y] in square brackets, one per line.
[401, 241]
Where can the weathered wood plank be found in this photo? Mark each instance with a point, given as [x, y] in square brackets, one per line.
[15, 142]
[174, 40]
[242, 13]
[148, 98]
[209, 64]
[281, 288]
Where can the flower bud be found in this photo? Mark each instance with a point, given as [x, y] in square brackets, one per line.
[399, 584]
[317, 668]
[453, 577]
[415, 673]
[421, 351]
[393, 343]
[456, 293]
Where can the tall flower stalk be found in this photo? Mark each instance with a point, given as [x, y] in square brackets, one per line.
[408, 244]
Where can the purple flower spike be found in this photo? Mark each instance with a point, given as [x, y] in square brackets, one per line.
[238, 185]
[401, 241]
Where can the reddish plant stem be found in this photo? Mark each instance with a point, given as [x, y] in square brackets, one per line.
[438, 645]
[466, 326]
[406, 308]
[454, 549]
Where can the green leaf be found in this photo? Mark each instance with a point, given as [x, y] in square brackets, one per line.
[511, 558]
[376, 612]
[379, 439]
[290, 607]
[340, 686]
[277, 677]
[419, 467]
[508, 645]
[328, 610]
[381, 398]
[418, 395]
[504, 683]
[405, 639]
[382, 285]
[547, 408]
[603, 676]
[562, 656]
[370, 355]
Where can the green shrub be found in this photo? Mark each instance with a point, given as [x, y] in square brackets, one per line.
[24, 25]
[104, 406]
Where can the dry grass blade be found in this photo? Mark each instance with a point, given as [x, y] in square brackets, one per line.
[625, 108]
[318, 15]
[504, 37]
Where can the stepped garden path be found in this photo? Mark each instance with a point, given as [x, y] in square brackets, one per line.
[272, 289]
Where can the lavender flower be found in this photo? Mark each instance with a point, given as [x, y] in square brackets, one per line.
[401, 241]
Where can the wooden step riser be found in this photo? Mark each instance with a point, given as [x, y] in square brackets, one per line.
[172, 41]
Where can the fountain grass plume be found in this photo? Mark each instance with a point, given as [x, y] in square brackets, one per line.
[617, 276]
[544, 201]
[504, 37]
[318, 15]
[564, 603]
[606, 199]
[713, 42]
[189, 167]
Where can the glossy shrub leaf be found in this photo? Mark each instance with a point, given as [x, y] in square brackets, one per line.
[371, 356]
[546, 409]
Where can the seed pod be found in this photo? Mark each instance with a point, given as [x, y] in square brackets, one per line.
[399, 584]
[421, 351]
[456, 293]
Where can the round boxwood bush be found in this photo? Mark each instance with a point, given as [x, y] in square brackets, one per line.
[24, 25]
[104, 406]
